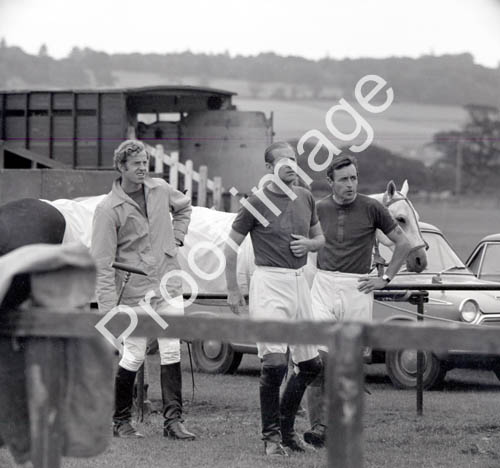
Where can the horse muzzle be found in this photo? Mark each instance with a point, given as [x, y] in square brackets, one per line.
[417, 259]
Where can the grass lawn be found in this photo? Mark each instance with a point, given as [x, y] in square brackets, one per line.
[463, 224]
[460, 426]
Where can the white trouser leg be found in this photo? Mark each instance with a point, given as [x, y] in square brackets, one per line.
[170, 348]
[134, 352]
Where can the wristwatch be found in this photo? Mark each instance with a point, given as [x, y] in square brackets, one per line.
[386, 278]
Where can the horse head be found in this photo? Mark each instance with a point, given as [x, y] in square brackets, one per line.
[407, 218]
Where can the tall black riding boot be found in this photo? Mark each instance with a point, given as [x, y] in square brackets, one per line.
[315, 396]
[171, 391]
[124, 394]
[271, 377]
[291, 398]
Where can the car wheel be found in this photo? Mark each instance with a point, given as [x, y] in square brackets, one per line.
[402, 369]
[215, 357]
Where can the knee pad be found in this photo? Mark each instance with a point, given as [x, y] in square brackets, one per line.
[319, 380]
[310, 370]
[273, 370]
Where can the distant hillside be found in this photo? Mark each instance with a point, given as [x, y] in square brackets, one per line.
[446, 80]
[406, 129]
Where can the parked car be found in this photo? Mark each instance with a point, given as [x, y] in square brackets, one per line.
[484, 260]
[474, 307]
[444, 265]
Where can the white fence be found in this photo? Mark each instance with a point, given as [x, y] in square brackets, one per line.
[206, 188]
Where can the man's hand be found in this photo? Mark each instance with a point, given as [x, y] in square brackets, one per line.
[300, 245]
[235, 299]
[369, 283]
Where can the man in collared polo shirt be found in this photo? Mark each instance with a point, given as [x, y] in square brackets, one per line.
[282, 235]
[132, 225]
[341, 289]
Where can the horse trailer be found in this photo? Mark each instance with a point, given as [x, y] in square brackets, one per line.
[79, 129]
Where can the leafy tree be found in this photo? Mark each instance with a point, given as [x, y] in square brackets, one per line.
[377, 165]
[473, 153]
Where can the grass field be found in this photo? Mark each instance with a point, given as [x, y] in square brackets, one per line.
[460, 426]
[463, 224]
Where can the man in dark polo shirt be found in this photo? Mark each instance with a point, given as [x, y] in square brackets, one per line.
[341, 289]
[284, 227]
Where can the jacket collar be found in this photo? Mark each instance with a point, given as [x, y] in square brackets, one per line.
[118, 196]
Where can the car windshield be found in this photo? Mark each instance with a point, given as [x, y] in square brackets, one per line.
[490, 268]
[440, 256]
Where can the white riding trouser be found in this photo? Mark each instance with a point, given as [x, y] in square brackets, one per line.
[335, 296]
[281, 294]
[134, 348]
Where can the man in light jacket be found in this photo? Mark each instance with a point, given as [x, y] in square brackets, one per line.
[133, 225]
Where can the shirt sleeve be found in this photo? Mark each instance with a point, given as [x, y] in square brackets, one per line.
[244, 221]
[383, 219]
[103, 250]
[314, 211]
[180, 205]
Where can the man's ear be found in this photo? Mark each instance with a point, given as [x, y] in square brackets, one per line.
[269, 167]
[329, 180]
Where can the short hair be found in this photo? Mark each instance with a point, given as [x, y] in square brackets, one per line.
[269, 153]
[341, 161]
[126, 149]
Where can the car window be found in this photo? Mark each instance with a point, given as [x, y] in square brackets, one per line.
[440, 255]
[490, 268]
[476, 261]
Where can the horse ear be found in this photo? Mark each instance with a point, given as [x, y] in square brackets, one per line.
[390, 191]
[405, 188]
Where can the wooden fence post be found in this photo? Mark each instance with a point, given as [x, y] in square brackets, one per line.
[202, 186]
[234, 201]
[345, 396]
[188, 179]
[173, 177]
[217, 198]
[159, 159]
[45, 378]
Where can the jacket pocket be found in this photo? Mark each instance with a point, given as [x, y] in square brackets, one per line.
[170, 249]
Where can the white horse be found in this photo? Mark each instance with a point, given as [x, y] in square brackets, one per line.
[407, 217]
[209, 229]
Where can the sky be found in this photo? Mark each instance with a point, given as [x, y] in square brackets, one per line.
[309, 28]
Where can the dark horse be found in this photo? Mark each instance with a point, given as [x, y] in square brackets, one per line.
[23, 222]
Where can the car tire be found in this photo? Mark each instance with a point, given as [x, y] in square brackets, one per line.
[401, 367]
[215, 357]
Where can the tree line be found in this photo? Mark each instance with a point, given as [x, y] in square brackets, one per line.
[469, 162]
[445, 79]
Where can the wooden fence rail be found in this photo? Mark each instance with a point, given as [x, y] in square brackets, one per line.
[345, 393]
[204, 184]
